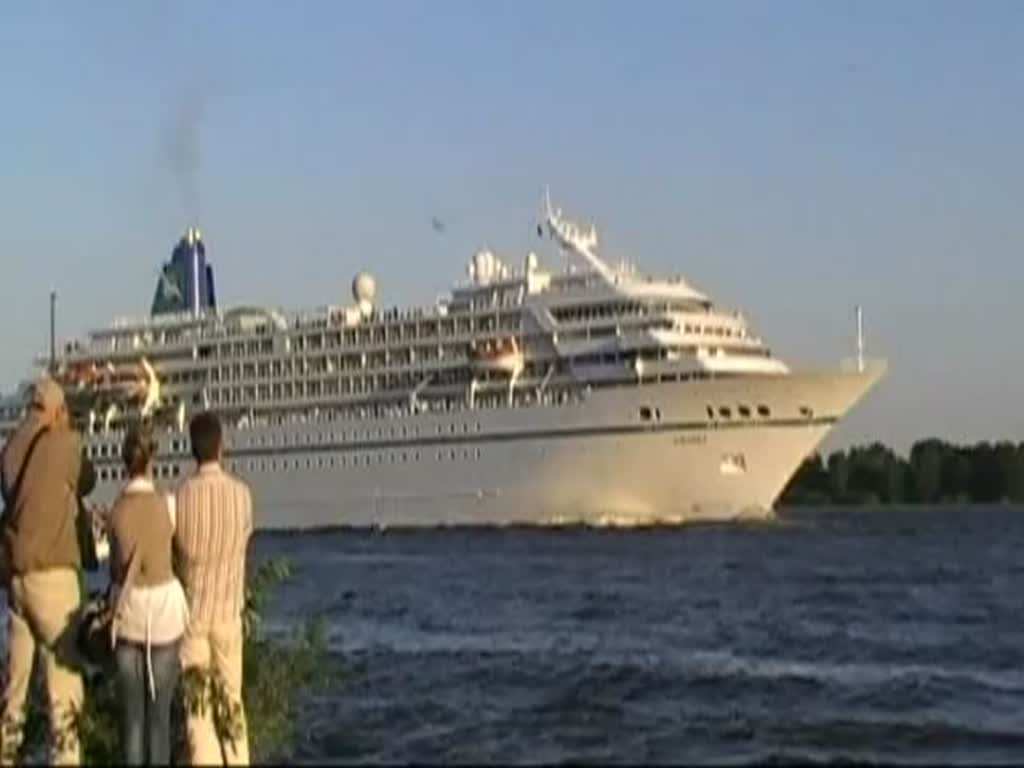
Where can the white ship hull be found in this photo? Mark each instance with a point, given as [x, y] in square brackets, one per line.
[598, 462]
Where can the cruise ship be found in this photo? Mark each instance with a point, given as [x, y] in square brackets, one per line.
[581, 393]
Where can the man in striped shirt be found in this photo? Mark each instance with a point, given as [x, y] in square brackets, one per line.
[214, 524]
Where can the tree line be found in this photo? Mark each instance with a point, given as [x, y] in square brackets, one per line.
[934, 472]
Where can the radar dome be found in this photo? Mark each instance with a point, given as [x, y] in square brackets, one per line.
[364, 288]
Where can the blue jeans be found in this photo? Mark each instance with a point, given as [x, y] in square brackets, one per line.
[145, 720]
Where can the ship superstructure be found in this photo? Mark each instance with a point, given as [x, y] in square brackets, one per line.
[588, 394]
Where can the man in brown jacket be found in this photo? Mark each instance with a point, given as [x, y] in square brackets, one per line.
[44, 595]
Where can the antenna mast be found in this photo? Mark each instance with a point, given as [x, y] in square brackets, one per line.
[860, 340]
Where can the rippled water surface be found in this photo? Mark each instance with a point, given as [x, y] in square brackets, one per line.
[826, 636]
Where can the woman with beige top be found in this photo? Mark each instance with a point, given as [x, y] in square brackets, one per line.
[152, 611]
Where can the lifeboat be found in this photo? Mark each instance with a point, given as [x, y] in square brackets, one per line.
[497, 355]
[129, 386]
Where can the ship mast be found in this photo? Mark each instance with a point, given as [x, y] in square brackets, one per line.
[573, 239]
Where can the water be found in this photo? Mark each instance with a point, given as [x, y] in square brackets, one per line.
[827, 636]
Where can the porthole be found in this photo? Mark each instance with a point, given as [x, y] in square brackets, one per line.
[764, 411]
[744, 411]
[725, 412]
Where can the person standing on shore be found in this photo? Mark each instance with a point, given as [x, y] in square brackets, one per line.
[214, 525]
[152, 611]
[41, 466]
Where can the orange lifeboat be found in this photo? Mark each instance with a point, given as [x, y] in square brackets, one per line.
[501, 354]
[91, 386]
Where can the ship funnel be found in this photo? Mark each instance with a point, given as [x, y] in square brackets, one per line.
[186, 282]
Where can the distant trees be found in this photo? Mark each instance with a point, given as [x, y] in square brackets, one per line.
[934, 472]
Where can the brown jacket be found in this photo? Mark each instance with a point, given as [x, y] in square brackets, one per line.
[39, 531]
[140, 527]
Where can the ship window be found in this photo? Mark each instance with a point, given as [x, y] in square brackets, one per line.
[806, 412]
[646, 414]
[764, 410]
[744, 411]
[725, 412]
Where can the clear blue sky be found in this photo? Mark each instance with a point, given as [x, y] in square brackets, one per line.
[791, 158]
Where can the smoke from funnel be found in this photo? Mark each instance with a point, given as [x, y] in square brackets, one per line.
[184, 149]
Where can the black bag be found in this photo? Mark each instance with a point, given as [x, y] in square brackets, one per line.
[96, 625]
[94, 637]
[5, 556]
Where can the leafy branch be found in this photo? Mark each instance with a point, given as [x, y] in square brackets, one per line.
[279, 674]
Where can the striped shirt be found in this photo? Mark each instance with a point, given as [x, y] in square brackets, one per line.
[214, 523]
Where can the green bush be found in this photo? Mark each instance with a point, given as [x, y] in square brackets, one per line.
[278, 676]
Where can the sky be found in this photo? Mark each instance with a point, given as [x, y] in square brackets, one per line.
[793, 159]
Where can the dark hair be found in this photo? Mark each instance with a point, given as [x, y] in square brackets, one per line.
[138, 449]
[205, 433]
